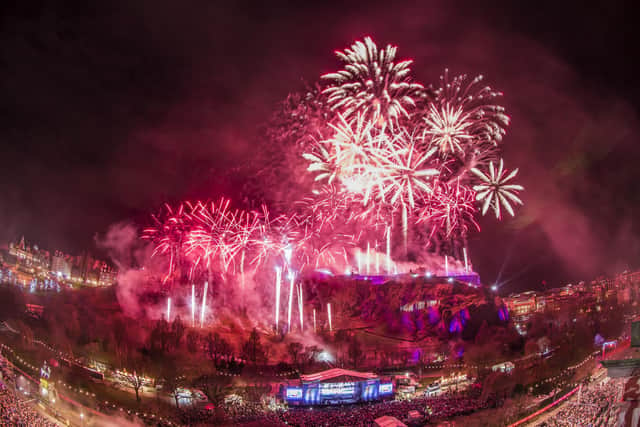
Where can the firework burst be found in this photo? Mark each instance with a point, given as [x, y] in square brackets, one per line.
[449, 209]
[486, 121]
[372, 84]
[495, 189]
[447, 129]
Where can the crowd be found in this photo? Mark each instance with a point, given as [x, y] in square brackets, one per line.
[15, 412]
[586, 407]
[430, 408]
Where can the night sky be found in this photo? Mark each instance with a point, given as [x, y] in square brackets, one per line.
[108, 109]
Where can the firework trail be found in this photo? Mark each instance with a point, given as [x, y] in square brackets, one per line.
[193, 305]
[466, 260]
[301, 307]
[277, 304]
[291, 285]
[204, 303]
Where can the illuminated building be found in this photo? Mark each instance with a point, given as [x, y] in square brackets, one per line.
[335, 387]
[523, 304]
[60, 266]
[29, 258]
[107, 276]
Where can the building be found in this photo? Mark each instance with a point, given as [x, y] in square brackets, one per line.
[26, 265]
[29, 258]
[60, 265]
[108, 276]
[523, 304]
[336, 387]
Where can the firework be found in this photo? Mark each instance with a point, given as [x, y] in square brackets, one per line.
[204, 303]
[447, 128]
[314, 320]
[220, 235]
[278, 284]
[450, 208]
[367, 259]
[486, 122]
[388, 233]
[169, 309]
[495, 190]
[193, 305]
[372, 84]
[168, 234]
[383, 156]
[329, 316]
[407, 179]
[466, 261]
[291, 285]
[301, 307]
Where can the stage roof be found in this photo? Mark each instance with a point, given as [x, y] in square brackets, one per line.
[389, 421]
[337, 373]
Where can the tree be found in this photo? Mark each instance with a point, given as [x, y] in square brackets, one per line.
[11, 303]
[484, 334]
[310, 353]
[482, 356]
[160, 336]
[164, 334]
[294, 349]
[531, 347]
[252, 349]
[217, 349]
[136, 382]
[193, 339]
[172, 380]
[213, 386]
[356, 355]
[26, 332]
[177, 330]
[497, 384]
[136, 364]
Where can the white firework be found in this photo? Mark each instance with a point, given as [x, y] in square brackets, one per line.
[321, 162]
[373, 84]
[495, 189]
[350, 156]
[447, 128]
[488, 121]
[406, 176]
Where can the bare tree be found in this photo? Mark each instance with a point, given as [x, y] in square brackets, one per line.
[177, 330]
[252, 349]
[217, 348]
[193, 340]
[172, 380]
[356, 355]
[294, 349]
